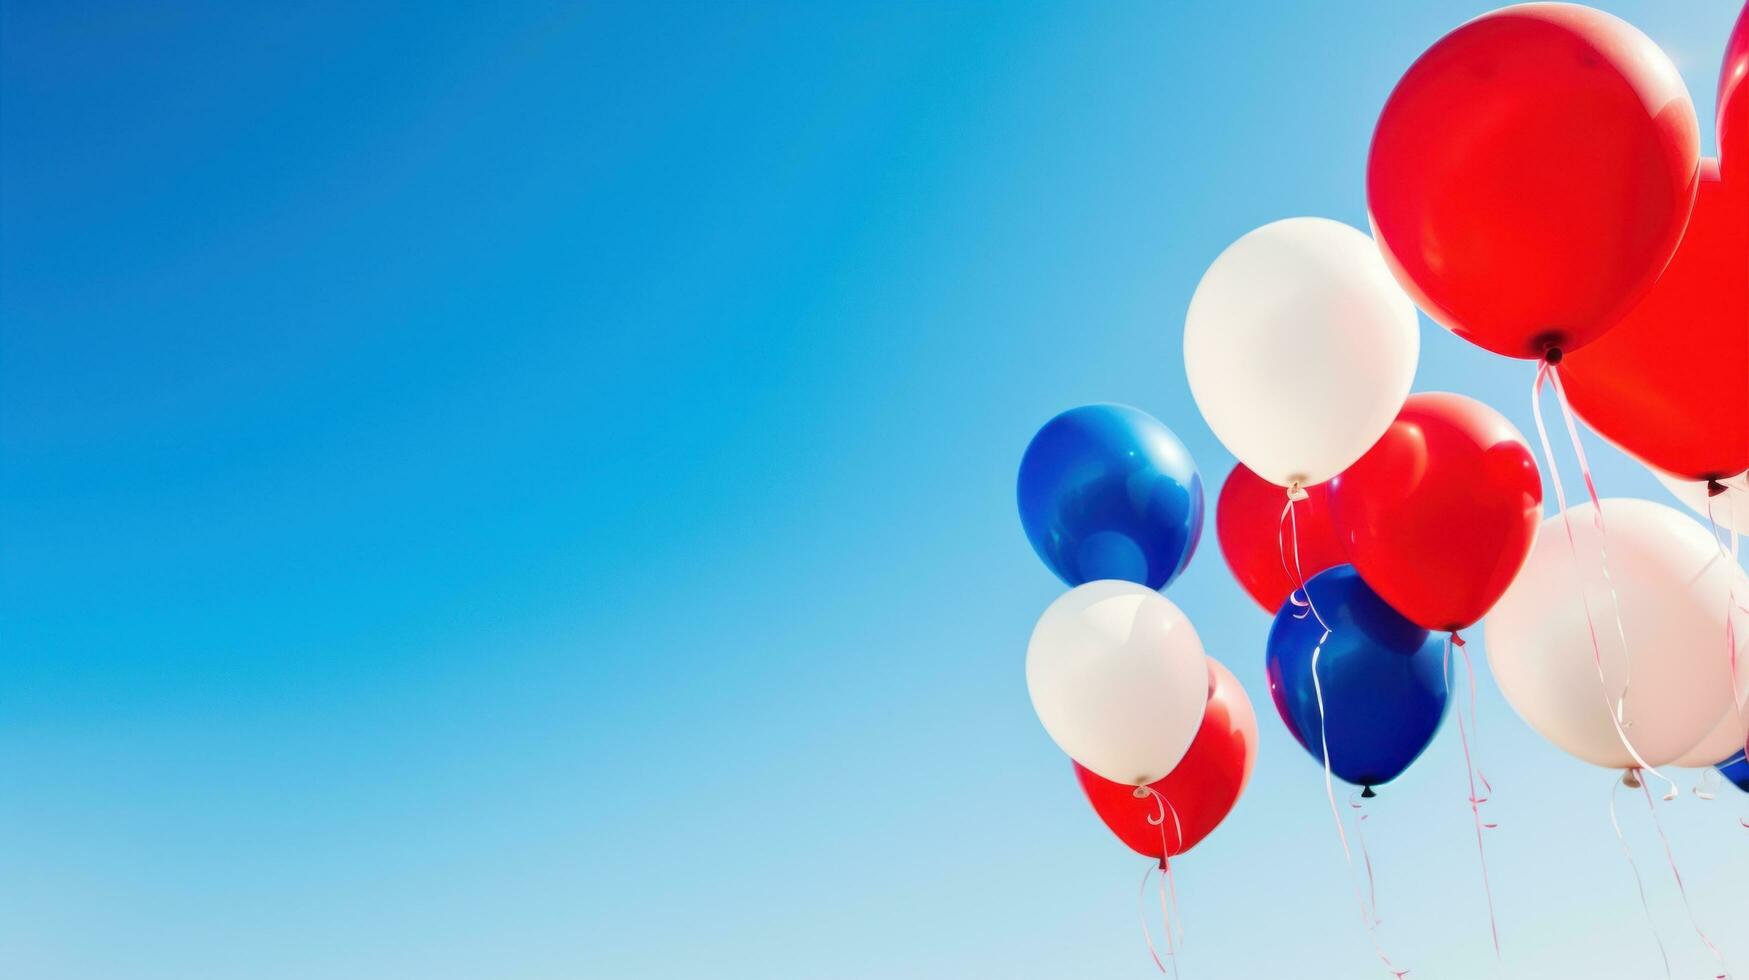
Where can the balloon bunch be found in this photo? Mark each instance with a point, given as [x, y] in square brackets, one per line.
[1162, 735]
[1534, 185]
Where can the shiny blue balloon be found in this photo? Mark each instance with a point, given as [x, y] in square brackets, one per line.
[1736, 769]
[1107, 492]
[1384, 680]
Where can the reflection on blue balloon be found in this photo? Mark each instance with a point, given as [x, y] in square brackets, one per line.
[1383, 678]
[1736, 769]
[1107, 492]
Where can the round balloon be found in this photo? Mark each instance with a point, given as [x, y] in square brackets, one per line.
[1107, 492]
[1201, 789]
[1300, 348]
[1383, 679]
[1736, 769]
[1726, 738]
[1260, 548]
[1531, 174]
[1733, 115]
[1116, 674]
[1440, 513]
[1670, 383]
[1729, 509]
[1667, 581]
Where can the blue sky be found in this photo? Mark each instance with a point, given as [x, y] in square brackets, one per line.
[528, 492]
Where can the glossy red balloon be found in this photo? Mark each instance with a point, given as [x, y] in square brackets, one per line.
[1440, 514]
[1670, 384]
[1203, 787]
[1247, 521]
[1531, 174]
[1733, 117]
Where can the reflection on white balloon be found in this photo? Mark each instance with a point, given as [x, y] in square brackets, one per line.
[1117, 676]
[1671, 586]
[1300, 348]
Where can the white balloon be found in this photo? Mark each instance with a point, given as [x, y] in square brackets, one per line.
[1671, 585]
[1722, 742]
[1300, 347]
[1730, 509]
[1117, 676]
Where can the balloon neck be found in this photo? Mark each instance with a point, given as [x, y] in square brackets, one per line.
[1296, 491]
[1553, 356]
[1164, 862]
[1714, 488]
[1631, 779]
[1457, 640]
[1366, 793]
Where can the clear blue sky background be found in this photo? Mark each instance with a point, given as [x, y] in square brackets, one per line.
[527, 491]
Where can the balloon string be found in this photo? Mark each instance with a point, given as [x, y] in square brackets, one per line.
[1681, 889]
[1617, 709]
[1638, 883]
[1471, 770]
[1290, 518]
[1147, 934]
[1367, 918]
[1168, 886]
[1372, 894]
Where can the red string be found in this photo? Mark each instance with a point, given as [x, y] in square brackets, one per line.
[1617, 710]
[1633, 866]
[1168, 887]
[1676, 873]
[1471, 770]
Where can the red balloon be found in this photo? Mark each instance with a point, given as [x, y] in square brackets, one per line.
[1248, 520]
[1203, 787]
[1440, 513]
[1733, 117]
[1531, 174]
[1670, 384]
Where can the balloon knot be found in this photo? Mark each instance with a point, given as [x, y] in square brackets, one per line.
[1714, 488]
[1552, 355]
[1366, 793]
[1163, 863]
[1631, 779]
[1296, 491]
[1457, 640]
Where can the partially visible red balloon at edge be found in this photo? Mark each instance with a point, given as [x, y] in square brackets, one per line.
[1733, 117]
[1531, 174]
[1203, 787]
[1440, 514]
[1670, 384]
[1247, 521]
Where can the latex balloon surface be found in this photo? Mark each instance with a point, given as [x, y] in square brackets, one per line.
[1733, 114]
[1117, 676]
[1299, 348]
[1381, 677]
[1730, 510]
[1108, 492]
[1669, 383]
[1671, 587]
[1200, 791]
[1259, 546]
[1440, 513]
[1531, 174]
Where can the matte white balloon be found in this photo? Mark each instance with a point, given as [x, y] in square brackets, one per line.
[1300, 348]
[1671, 586]
[1726, 739]
[1730, 509]
[1117, 676]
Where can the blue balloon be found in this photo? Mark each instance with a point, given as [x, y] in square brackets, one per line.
[1107, 492]
[1384, 679]
[1736, 769]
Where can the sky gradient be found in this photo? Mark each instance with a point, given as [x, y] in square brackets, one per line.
[528, 491]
